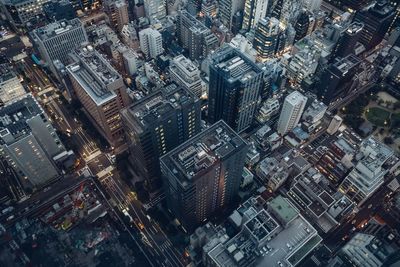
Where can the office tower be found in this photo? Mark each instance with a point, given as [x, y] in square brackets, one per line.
[117, 12]
[55, 10]
[102, 92]
[227, 9]
[10, 86]
[347, 41]
[334, 124]
[254, 10]
[186, 74]
[195, 36]
[155, 10]
[19, 12]
[56, 40]
[268, 38]
[234, 88]
[157, 124]
[237, 21]
[312, 5]
[151, 42]
[302, 25]
[29, 142]
[377, 21]
[337, 79]
[291, 112]
[203, 175]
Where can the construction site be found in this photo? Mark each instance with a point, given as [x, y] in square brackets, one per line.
[76, 228]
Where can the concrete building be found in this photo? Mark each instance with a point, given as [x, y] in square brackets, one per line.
[268, 109]
[195, 36]
[102, 92]
[313, 115]
[10, 85]
[303, 64]
[334, 124]
[234, 88]
[292, 111]
[130, 59]
[130, 36]
[155, 10]
[117, 12]
[368, 174]
[19, 12]
[244, 45]
[203, 175]
[151, 42]
[254, 10]
[312, 5]
[227, 9]
[187, 75]
[56, 40]
[157, 124]
[29, 142]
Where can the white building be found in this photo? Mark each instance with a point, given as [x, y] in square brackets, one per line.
[129, 36]
[151, 42]
[130, 61]
[254, 10]
[155, 10]
[244, 45]
[10, 86]
[187, 75]
[117, 11]
[334, 125]
[292, 110]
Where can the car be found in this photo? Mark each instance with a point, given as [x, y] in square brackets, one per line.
[289, 246]
[307, 230]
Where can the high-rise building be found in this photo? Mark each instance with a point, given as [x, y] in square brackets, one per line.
[377, 21]
[186, 74]
[155, 10]
[130, 59]
[102, 92]
[157, 124]
[55, 10]
[29, 142]
[195, 36]
[254, 10]
[292, 110]
[302, 25]
[312, 5]
[227, 9]
[234, 88]
[334, 125]
[151, 42]
[203, 175]
[348, 40]
[56, 40]
[19, 12]
[10, 85]
[117, 12]
[338, 79]
[268, 38]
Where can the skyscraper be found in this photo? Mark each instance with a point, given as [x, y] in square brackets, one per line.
[227, 9]
[157, 124]
[254, 10]
[203, 174]
[117, 12]
[29, 142]
[56, 40]
[377, 21]
[235, 86]
[102, 92]
[151, 42]
[292, 110]
[302, 25]
[347, 41]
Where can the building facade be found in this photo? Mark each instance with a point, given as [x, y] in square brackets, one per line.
[292, 110]
[151, 42]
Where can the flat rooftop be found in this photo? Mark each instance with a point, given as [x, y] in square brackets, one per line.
[283, 208]
[57, 28]
[191, 159]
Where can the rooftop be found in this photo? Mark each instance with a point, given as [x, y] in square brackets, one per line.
[283, 208]
[57, 28]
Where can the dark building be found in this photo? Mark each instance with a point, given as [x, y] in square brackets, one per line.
[58, 10]
[347, 41]
[354, 5]
[193, 7]
[237, 21]
[302, 25]
[157, 124]
[338, 79]
[269, 38]
[235, 86]
[377, 21]
[203, 174]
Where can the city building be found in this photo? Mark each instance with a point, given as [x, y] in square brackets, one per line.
[334, 124]
[303, 25]
[56, 40]
[269, 38]
[312, 5]
[19, 12]
[102, 92]
[10, 85]
[187, 75]
[29, 142]
[267, 110]
[157, 124]
[244, 45]
[130, 59]
[129, 36]
[234, 88]
[303, 64]
[151, 42]
[291, 112]
[203, 175]
[347, 42]
[117, 12]
[254, 10]
[338, 79]
[195, 36]
[55, 10]
[313, 115]
[155, 10]
[227, 9]
[377, 21]
[368, 173]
